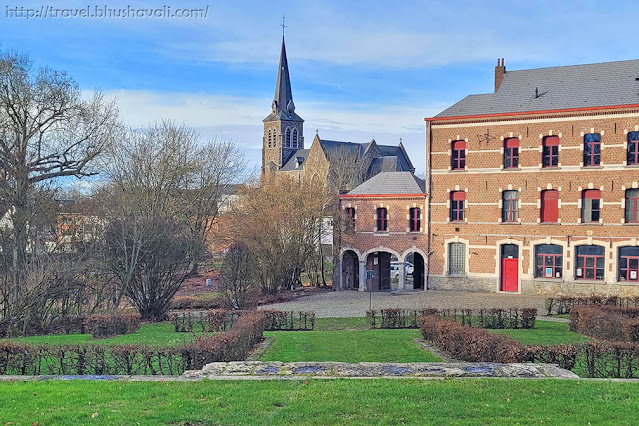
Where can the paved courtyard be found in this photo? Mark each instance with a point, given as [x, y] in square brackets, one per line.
[355, 303]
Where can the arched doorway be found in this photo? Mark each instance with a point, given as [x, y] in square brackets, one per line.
[350, 270]
[414, 268]
[386, 270]
[509, 275]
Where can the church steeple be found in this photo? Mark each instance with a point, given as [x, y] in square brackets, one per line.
[283, 128]
[283, 93]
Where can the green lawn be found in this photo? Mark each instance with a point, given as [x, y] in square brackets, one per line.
[347, 346]
[159, 334]
[362, 402]
[338, 324]
[544, 333]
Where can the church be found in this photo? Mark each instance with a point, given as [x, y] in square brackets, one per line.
[284, 150]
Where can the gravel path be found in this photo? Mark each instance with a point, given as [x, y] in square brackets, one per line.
[355, 303]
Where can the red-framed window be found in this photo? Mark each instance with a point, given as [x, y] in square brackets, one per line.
[628, 264]
[550, 151]
[458, 157]
[591, 206]
[549, 206]
[415, 219]
[632, 156]
[511, 153]
[382, 219]
[632, 205]
[590, 263]
[457, 199]
[592, 149]
[510, 206]
[548, 261]
[349, 212]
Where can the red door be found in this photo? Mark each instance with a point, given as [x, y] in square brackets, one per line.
[509, 274]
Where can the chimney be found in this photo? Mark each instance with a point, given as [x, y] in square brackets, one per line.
[500, 71]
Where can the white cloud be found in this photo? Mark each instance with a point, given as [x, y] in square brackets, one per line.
[240, 119]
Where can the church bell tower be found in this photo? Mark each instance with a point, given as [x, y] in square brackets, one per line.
[283, 128]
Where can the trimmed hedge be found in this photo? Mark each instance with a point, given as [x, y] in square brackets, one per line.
[91, 359]
[210, 321]
[596, 359]
[289, 320]
[180, 303]
[483, 318]
[97, 325]
[563, 305]
[606, 322]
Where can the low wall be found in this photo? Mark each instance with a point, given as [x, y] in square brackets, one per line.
[534, 287]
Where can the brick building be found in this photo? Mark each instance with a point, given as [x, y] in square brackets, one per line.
[385, 233]
[534, 188]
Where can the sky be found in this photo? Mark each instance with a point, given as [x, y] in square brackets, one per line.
[359, 69]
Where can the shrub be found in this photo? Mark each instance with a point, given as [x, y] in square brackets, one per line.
[484, 318]
[607, 322]
[471, 344]
[179, 303]
[92, 359]
[211, 321]
[111, 325]
[563, 305]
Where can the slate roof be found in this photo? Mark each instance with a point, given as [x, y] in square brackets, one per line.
[290, 164]
[383, 164]
[390, 183]
[575, 86]
[284, 107]
[333, 148]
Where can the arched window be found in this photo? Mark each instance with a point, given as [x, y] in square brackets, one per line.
[295, 138]
[288, 138]
[590, 206]
[548, 261]
[511, 153]
[270, 138]
[510, 207]
[628, 263]
[456, 259]
[633, 148]
[592, 149]
[590, 263]
[632, 205]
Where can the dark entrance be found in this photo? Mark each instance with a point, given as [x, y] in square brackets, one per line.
[350, 270]
[415, 270]
[384, 265]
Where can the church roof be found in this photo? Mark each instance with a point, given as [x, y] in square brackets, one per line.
[283, 106]
[296, 160]
[391, 183]
[567, 87]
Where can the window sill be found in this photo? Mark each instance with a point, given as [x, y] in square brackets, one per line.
[461, 222]
[631, 223]
[458, 170]
[592, 224]
[512, 169]
[382, 233]
[583, 281]
[632, 166]
[549, 223]
[510, 223]
[550, 168]
[549, 280]
[591, 167]
[414, 232]
[456, 276]
[634, 283]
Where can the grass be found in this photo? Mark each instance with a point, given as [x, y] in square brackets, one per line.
[346, 340]
[362, 402]
[544, 333]
[158, 334]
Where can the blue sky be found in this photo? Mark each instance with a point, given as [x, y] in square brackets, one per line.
[359, 69]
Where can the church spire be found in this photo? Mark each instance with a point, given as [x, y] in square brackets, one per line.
[283, 93]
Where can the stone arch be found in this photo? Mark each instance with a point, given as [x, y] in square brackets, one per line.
[630, 242]
[414, 260]
[590, 242]
[567, 274]
[446, 253]
[349, 269]
[385, 265]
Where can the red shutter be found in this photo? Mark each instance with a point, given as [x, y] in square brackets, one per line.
[592, 194]
[549, 206]
[459, 196]
[512, 143]
[551, 140]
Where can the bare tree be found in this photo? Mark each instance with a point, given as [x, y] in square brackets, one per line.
[238, 276]
[163, 174]
[48, 132]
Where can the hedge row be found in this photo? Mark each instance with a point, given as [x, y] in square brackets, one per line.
[606, 322]
[91, 359]
[563, 305]
[180, 303]
[210, 321]
[483, 318]
[220, 320]
[97, 325]
[289, 320]
[597, 359]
